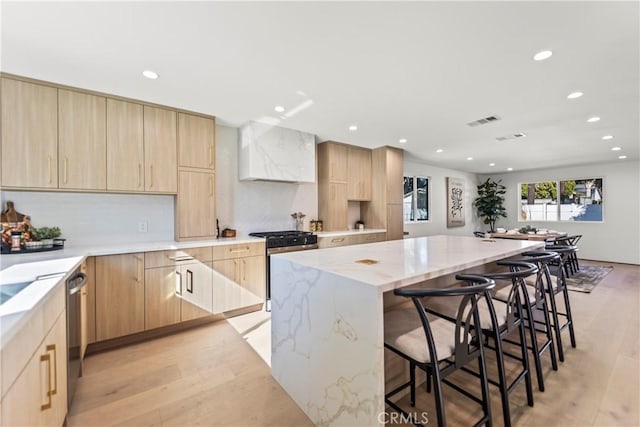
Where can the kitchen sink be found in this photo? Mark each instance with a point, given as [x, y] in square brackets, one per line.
[9, 290]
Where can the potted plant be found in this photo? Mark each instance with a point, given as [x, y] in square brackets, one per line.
[45, 235]
[490, 202]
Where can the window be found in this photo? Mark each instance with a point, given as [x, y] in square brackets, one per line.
[416, 198]
[570, 200]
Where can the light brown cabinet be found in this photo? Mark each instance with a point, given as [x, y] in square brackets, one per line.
[195, 206]
[125, 146]
[88, 301]
[29, 134]
[238, 282]
[160, 148]
[161, 299]
[358, 173]
[385, 208]
[350, 239]
[332, 161]
[120, 293]
[82, 143]
[38, 397]
[196, 141]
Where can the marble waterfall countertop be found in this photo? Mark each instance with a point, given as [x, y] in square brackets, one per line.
[396, 263]
[327, 318]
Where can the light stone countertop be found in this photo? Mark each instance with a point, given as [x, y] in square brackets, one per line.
[98, 249]
[350, 232]
[398, 263]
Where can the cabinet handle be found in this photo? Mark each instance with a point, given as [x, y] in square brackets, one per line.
[139, 175]
[138, 268]
[240, 250]
[210, 155]
[189, 281]
[66, 165]
[50, 178]
[52, 347]
[151, 176]
[210, 186]
[337, 240]
[178, 283]
[47, 358]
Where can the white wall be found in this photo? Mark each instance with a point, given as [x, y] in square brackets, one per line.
[256, 205]
[438, 222]
[90, 218]
[617, 238]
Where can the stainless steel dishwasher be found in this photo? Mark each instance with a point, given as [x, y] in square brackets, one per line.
[75, 316]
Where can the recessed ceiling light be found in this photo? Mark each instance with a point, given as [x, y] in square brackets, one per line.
[402, 140]
[616, 148]
[353, 128]
[509, 169]
[439, 150]
[622, 157]
[279, 109]
[607, 137]
[469, 158]
[593, 119]
[492, 164]
[150, 74]
[574, 95]
[541, 56]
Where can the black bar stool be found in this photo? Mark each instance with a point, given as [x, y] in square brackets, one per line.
[439, 346]
[498, 320]
[535, 301]
[555, 285]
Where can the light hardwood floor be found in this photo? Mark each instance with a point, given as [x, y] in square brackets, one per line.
[212, 376]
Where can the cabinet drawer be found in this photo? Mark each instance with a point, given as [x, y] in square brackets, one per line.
[332, 242]
[238, 250]
[372, 238]
[170, 258]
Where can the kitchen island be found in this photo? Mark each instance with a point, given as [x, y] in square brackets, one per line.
[328, 315]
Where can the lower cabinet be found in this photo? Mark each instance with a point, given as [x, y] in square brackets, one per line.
[350, 239]
[144, 291]
[120, 294]
[238, 282]
[38, 397]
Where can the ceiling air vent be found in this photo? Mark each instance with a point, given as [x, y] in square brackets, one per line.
[514, 136]
[483, 121]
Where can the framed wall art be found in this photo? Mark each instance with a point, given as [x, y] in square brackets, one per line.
[455, 202]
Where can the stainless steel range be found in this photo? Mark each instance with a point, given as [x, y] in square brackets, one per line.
[278, 242]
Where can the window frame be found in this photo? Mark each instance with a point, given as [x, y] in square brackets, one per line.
[558, 199]
[414, 206]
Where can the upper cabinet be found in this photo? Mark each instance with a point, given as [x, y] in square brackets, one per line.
[125, 146]
[29, 135]
[82, 142]
[358, 173]
[196, 141]
[161, 168]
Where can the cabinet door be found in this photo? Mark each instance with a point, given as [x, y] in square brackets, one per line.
[161, 299]
[395, 224]
[252, 279]
[90, 291]
[125, 147]
[39, 395]
[359, 173]
[337, 207]
[394, 178]
[227, 291]
[82, 142]
[160, 150]
[29, 135]
[195, 210]
[197, 290]
[196, 141]
[119, 295]
[332, 162]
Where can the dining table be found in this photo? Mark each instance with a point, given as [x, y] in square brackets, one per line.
[542, 237]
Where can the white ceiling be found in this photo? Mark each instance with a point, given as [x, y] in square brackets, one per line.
[415, 70]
